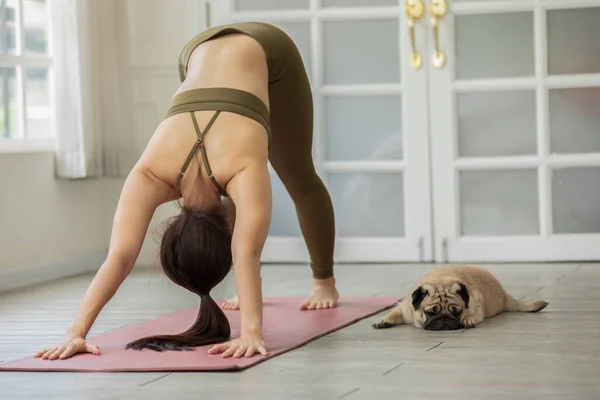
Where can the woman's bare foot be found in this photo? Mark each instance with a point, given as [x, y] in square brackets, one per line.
[324, 295]
[232, 304]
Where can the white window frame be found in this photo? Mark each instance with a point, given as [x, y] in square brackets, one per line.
[21, 143]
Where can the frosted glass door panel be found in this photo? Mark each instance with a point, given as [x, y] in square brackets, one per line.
[267, 5]
[363, 128]
[576, 200]
[358, 3]
[284, 221]
[368, 204]
[499, 202]
[496, 124]
[361, 52]
[494, 45]
[573, 45]
[575, 120]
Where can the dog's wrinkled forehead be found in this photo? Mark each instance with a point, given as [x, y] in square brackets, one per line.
[442, 297]
[429, 294]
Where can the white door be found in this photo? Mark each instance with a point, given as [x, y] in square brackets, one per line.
[515, 131]
[371, 138]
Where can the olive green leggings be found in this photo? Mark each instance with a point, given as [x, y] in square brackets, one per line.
[291, 131]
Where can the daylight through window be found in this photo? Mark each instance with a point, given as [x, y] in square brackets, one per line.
[25, 76]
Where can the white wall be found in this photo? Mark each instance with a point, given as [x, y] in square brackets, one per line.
[47, 219]
[157, 31]
[45, 222]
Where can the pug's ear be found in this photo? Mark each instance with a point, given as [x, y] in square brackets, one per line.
[461, 290]
[418, 296]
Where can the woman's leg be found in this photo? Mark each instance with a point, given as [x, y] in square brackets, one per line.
[291, 109]
[315, 213]
[291, 157]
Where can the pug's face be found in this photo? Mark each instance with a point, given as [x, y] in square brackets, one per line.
[440, 307]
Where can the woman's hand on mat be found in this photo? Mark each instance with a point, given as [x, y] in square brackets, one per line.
[246, 346]
[68, 348]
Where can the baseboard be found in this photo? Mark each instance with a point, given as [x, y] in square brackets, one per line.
[19, 277]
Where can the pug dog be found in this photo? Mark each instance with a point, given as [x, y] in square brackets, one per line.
[455, 297]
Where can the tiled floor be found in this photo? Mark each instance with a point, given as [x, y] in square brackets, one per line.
[554, 354]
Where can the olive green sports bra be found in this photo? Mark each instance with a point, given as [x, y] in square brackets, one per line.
[200, 145]
[218, 100]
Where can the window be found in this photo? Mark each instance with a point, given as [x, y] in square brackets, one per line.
[25, 74]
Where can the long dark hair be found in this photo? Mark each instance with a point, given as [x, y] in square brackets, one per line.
[195, 253]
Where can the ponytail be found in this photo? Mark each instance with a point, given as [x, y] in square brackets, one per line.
[211, 326]
[195, 254]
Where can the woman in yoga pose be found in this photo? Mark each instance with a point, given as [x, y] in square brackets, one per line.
[245, 99]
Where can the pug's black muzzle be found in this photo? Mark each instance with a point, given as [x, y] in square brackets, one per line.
[442, 324]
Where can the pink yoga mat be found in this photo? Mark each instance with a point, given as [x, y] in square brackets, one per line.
[285, 328]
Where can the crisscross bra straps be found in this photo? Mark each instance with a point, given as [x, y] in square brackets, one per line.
[216, 100]
[200, 145]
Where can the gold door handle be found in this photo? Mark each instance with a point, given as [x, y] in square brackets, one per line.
[438, 9]
[414, 10]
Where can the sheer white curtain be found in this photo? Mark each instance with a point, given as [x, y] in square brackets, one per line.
[79, 152]
[91, 89]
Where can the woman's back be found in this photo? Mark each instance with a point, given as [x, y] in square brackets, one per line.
[234, 61]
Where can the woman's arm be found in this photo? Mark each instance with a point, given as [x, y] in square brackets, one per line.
[251, 193]
[250, 190]
[140, 197]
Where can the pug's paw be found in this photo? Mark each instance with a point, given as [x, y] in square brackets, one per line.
[382, 324]
[469, 323]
